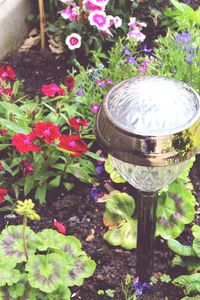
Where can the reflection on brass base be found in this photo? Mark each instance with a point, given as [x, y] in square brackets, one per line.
[145, 235]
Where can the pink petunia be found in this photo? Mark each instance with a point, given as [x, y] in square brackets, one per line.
[73, 41]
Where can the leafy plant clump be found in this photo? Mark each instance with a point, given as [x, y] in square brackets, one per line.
[40, 265]
[188, 256]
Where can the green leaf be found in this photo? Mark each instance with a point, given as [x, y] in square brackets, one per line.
[16, 290]
[191, 283]
[29, 184]
[84, 171]
[7, 265]
[110, 169]
[50, 239]
[12, 108]
[9, 125]
[80, 268]
[55, 182]
[124, 236]
[185, 173]
[40, 193]
[191, 298]
[11, 243]
[119, 207]
[4, 146]
[62, 292]
[180, 249]
[176, 207]
[46, 272]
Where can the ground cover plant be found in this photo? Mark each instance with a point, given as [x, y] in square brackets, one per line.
[49, 153]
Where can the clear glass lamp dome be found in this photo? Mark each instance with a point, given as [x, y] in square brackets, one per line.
[151, 127]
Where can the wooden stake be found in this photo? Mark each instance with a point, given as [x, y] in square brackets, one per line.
[42, 23]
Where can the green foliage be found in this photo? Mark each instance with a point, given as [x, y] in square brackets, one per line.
[177, 56]
[189, 257]
[55, 262]
[176, 207]
[112, 171]
[181, 16]
[122, 228]
[127, 288]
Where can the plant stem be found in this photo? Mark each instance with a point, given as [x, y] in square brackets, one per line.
[42, 23]
[80, 3]
[24, 237]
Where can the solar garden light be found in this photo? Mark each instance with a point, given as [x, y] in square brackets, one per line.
[151, 127]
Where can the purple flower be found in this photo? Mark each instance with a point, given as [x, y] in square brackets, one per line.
[95, 108]
[147, 50]
[139, 287]
[126, 52]
[94, 192]
[80, 92]
[184, 37]
[99, 170]
[189, 59]
[131, 60]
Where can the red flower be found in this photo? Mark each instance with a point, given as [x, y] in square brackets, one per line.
[28, 168]
[23, 142]
[60, 227]
[52, 89]
[4, 132]
[69, 82]
[47, 131]
[6, 91]
[7, 72]
[1, 166]
[3, 193]
[73, 143]
[77, 122]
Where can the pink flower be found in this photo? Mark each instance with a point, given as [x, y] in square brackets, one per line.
[134, 23]
[3, 193]
[117, 22]
[144, 67]
[28, 168]
[76, 123]
[95, 108]
[93, 5]
[50, 90]
[98, 18]
[3, 131]
[104, 83]
[47, 131]
[71, 13]
[1, 166]
[7, 73]
[8, 91]
[59, 226]
[24, 142]
[136, 35]
[74, 144]
[73, 41]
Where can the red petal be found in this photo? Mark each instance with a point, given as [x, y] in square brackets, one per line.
[60, 227]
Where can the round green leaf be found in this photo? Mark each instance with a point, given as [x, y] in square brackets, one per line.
[46, 272]
[50, 239]
[11, 243]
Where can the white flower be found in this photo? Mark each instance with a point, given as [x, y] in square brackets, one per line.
[73, 41]
[117, 22]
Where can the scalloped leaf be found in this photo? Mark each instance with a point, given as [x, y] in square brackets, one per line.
[124, 236]
[176, 207]
[180, 249]
[16, 290]
[191, 283]
[78, 269]
[196, 246]
[50, 239]
[185, 173]
[46, 272]
[7, 265]
[11, 243]
[191, 298]
[112, 171]
[72, 246]
[195, 231]
[119, 208]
